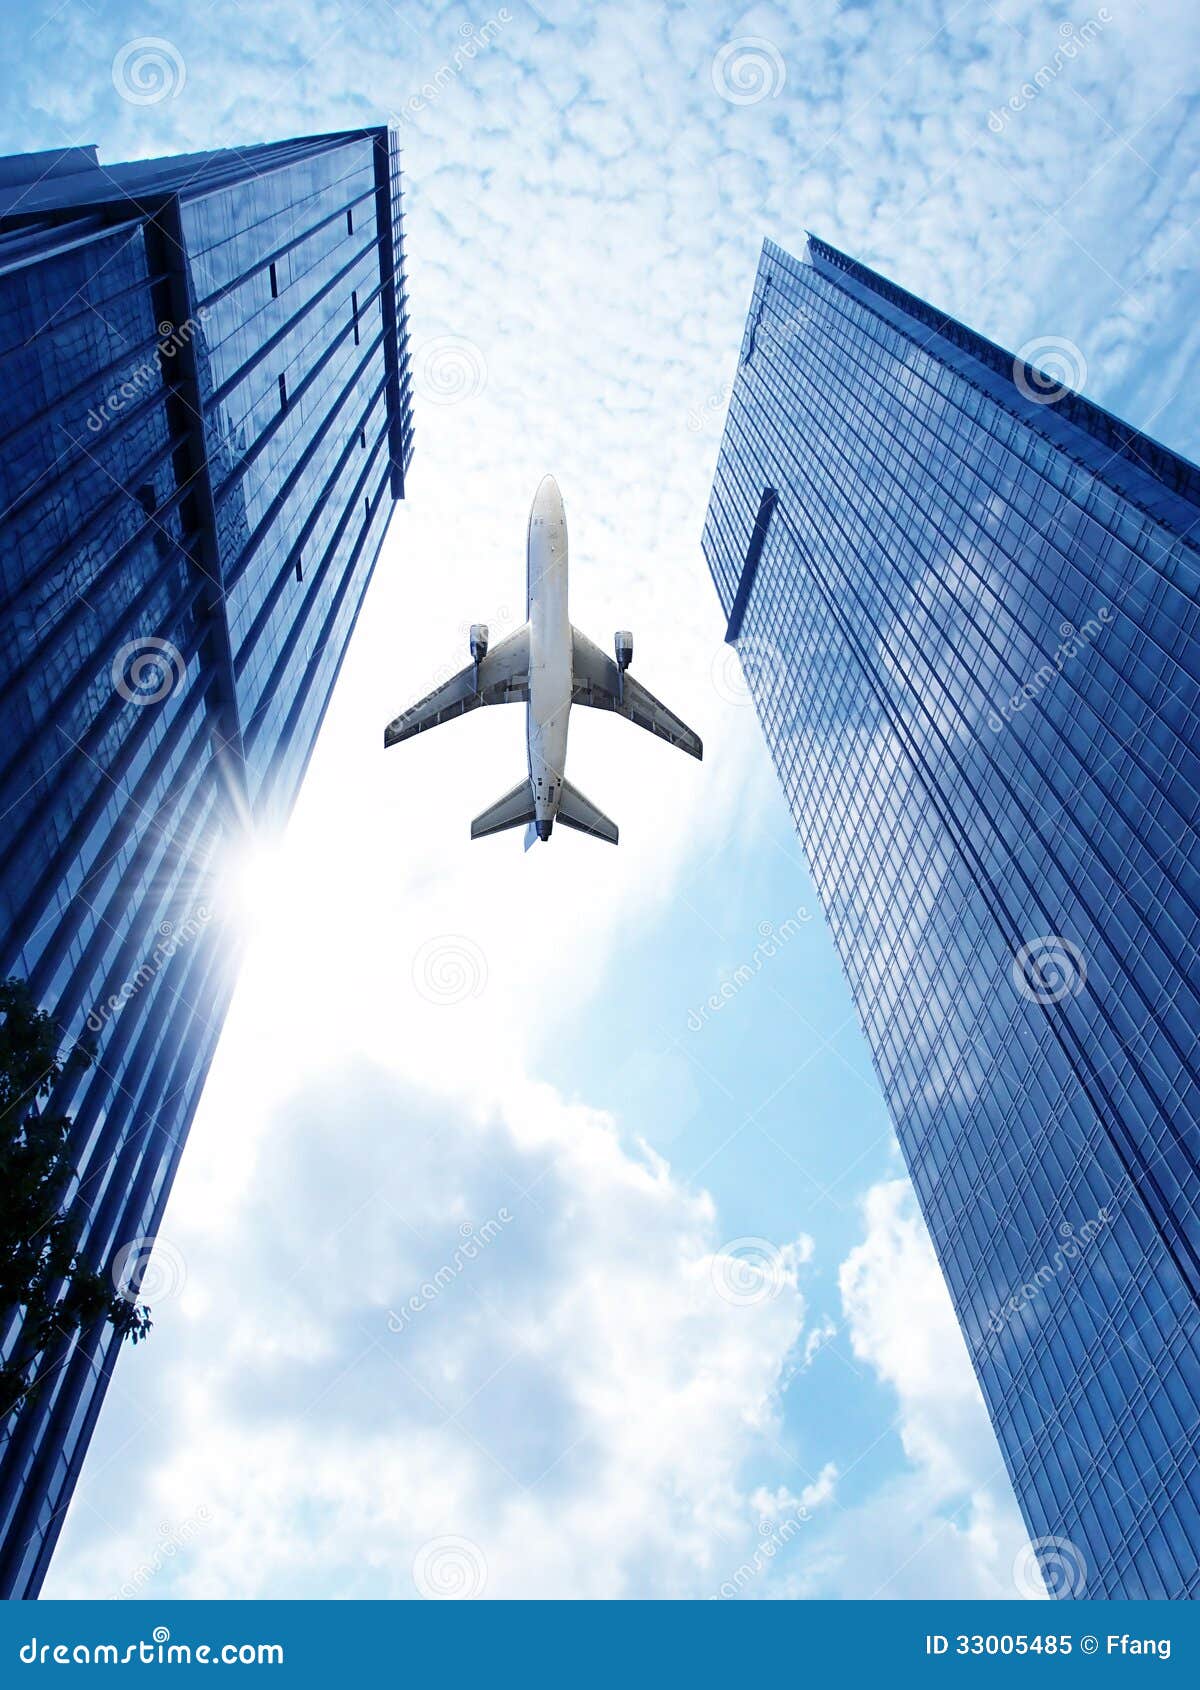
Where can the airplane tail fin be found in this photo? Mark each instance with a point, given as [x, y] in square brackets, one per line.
[513, 810]
[576, 811]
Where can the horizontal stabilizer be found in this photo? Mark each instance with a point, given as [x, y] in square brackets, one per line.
[513, 810]
[574, 810]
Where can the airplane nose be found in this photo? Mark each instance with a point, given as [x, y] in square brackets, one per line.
[547, 501]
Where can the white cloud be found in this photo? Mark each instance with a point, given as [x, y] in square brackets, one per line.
[575, 1397]
[948, 1526]
[777, 1504]
[901, 1321]
[818, 1337]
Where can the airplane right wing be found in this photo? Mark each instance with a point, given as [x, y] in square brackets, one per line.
[598, 683]
[503, 679]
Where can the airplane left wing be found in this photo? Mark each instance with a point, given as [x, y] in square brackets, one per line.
[503, 679]
[599, 683]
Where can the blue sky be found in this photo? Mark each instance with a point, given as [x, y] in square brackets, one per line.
[703, 1306]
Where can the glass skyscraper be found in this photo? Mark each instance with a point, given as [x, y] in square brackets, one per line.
[966, 604]
[206, 422]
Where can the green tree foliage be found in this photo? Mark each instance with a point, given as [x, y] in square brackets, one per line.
[40, 1269]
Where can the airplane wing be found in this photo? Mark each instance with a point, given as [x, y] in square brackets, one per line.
[503, 679]
[597, 682]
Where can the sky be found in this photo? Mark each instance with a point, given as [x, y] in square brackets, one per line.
[501, 1261]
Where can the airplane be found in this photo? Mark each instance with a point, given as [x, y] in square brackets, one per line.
[548, 666]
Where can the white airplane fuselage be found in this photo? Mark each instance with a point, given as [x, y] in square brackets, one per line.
[550, 677]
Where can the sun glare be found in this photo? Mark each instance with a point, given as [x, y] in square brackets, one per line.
[257, 881]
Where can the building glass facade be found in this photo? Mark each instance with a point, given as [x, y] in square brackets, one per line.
[207, 421]
[966, 603]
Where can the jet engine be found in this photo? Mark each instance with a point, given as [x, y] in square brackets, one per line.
[623, 647]
[479, 644]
